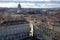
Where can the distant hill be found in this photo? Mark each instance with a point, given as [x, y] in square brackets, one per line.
[31, 8]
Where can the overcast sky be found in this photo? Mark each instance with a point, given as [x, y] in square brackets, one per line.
[29, 0]
[30, 3]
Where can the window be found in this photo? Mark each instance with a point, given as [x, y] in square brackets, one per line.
[0, 38]
[9, 38]
[12, 38]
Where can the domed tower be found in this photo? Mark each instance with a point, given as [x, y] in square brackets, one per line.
[19, 9]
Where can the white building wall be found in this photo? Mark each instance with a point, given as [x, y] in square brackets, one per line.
[56, 29]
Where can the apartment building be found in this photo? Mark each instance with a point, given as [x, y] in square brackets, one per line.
[14, 30]
[56, 30]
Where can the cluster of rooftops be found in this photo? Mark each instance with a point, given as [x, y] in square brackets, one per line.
[16, 22]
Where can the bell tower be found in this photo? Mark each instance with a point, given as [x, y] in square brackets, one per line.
[19, 9]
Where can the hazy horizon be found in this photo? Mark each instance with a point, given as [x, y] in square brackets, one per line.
[30, 3]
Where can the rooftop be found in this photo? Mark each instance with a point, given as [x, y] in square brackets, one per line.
[16, 22]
